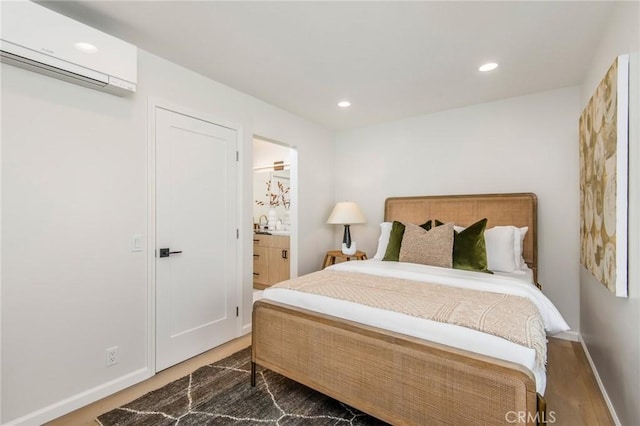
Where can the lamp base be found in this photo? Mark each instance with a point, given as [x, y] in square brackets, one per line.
[349, 251]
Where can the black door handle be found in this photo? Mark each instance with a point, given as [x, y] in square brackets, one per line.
[164, 252]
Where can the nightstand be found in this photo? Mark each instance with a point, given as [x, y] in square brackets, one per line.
[331, 256]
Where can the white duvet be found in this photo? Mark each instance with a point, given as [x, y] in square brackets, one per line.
[447, 334]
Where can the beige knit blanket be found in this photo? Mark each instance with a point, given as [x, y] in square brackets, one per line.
[513, 318]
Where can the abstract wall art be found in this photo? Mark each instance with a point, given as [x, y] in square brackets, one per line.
[604, 144]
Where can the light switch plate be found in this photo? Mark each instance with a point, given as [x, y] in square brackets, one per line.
[136, 243]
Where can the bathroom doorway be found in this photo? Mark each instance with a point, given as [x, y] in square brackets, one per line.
[274, 212]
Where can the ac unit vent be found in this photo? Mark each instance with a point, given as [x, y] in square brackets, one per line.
[40, 40]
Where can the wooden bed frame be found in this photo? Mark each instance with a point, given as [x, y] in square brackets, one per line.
[397, 378]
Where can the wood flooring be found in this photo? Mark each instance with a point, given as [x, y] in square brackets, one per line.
[85, 416]
[572, 392]
[573, 396]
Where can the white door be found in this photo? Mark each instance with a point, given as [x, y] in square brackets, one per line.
[196, 219]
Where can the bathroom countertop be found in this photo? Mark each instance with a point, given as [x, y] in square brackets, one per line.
[267, 232]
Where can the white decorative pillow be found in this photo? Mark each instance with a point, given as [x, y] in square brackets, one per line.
[383, 241]
[522, 265]
[500, 242]
[504, 248]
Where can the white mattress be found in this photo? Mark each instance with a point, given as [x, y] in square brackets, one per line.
[447, 334]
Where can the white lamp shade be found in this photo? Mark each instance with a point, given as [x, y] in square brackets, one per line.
[346, 213]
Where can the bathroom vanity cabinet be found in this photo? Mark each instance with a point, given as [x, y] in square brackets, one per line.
[271, 263]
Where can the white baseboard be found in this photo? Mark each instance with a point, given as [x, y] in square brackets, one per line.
[246, 329]
[616, 420]
[74, 402]
[573, 336]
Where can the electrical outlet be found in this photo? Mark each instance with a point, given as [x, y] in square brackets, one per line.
[112, 356]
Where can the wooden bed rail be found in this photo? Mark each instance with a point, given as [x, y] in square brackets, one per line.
[396, 378]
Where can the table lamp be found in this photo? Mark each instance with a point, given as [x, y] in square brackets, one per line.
[346, 213]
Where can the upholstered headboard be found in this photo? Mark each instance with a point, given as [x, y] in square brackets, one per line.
[499, 209]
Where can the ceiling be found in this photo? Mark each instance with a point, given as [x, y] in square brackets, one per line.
[390, 59]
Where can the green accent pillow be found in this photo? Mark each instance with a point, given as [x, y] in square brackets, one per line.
[392, 254]
[469, 249]
[395, 241]
[426, 226]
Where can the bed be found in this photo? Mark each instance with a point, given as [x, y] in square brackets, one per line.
[405, 377]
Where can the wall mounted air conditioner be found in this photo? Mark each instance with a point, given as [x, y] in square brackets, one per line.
[38, 39]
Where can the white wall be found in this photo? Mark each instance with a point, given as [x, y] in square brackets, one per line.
[73, 194]
[523, 144]
[609, 325]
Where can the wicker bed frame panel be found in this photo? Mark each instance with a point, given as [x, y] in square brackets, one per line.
[394, 377]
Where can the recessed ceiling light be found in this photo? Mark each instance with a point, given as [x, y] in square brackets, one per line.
[488, 67]
[85, 47]
[344, 104]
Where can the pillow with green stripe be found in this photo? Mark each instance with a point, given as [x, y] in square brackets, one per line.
[392, 254]
[469, 249]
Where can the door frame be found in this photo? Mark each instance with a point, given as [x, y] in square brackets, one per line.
[152, 104]
[293, 209]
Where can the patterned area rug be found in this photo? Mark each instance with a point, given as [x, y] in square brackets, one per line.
[220, 394]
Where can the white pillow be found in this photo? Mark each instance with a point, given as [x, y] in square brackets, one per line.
[522, 265]
[383, 241]
[504, 248]
[500, 242]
